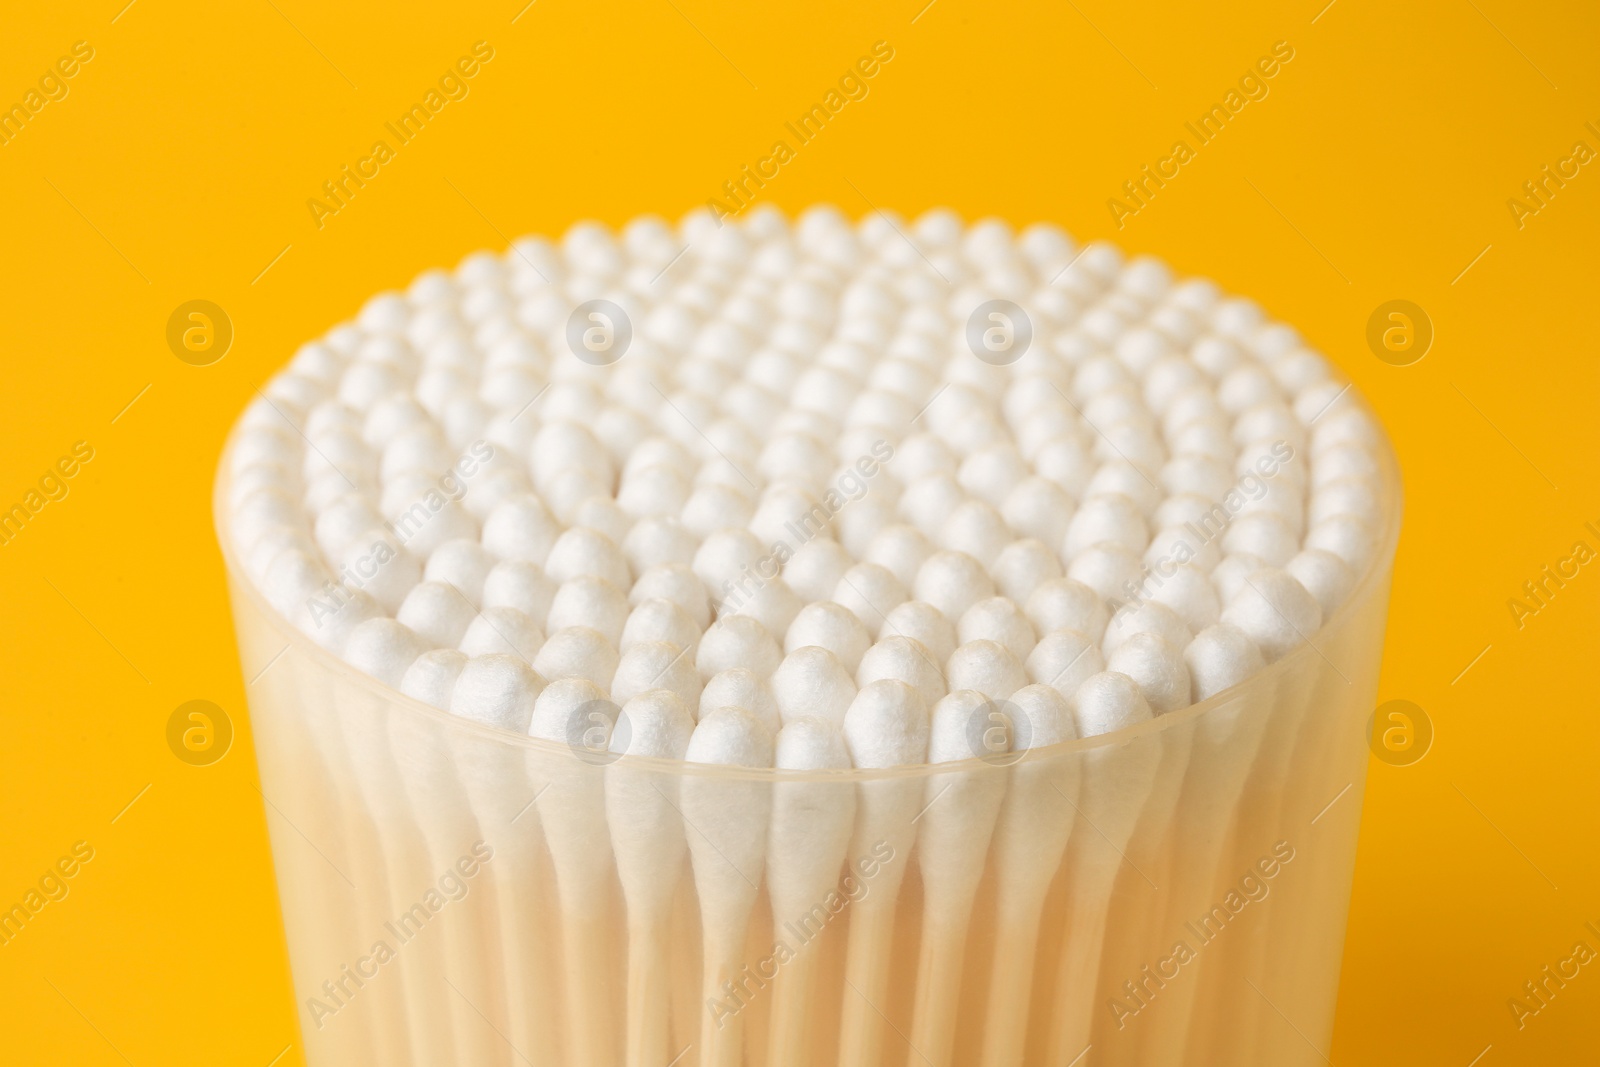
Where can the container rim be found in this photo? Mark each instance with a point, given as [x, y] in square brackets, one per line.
[1376, 572]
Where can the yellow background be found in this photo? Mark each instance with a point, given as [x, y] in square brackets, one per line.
[1378, 168]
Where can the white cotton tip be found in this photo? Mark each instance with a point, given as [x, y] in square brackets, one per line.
[1107, 702]
[591, 602]
[811, 745]
[582, 553]
[886, 725]
[659, 619]
[729, 558]
[739, 687]
[337, 525]
[929, 500]
[438, 613]
[904, 659]
[1157, 667]
[462, 563]
[924, 623]
[431, 678]
[998, 619]
[1346, 424]
[497, 690]
[712, 507]
[503, 630]
[816, 568]
[902, 550]
[656, 665]
[991, 473]
[600, 513]
[986, 666]
[678, 583]
[958, 728]
[293, 578]
[577, 652]
[658, 541]
[1230, 574]
[870, 592]
[737, 641]
[1347, 537]
[1345, 461]
[519, 584]
[952, 582]
[774, 605]
[1111, 570]
[1148, 617]
[833, 627]
[1023, 566]
[1048, 718]
[566, 707]
[1106, 519]
[521, 528]
[649, 491]
[1067, 604]
[1038, 508]
[731, 737]
[1325, 575]
[1220, 657]
[384, 649]
[659, 725]
[330, 619]
[811, 683]
[1064, 659]
[977, 529]
[1264, 535]
[1275, 610]
[1189, 593]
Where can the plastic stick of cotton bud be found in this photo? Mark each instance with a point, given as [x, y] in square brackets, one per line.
[648, 837]
[811, 825]
[1298, 742]
[1114, 786]
[1030, 835]
[1224, 744]
[726, 818]
[1113, 699]
[885, 726]
[956, 820]
[334, 811]
[495, 781]
[386, 649]
[500, 690]
[571, 806]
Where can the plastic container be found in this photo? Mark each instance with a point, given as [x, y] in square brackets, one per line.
[1174, 893]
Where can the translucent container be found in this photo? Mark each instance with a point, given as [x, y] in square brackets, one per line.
[1172, 893]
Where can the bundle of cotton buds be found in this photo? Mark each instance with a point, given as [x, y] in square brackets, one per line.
[808, 471]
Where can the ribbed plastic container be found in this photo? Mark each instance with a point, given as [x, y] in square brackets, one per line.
[1170, 894]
